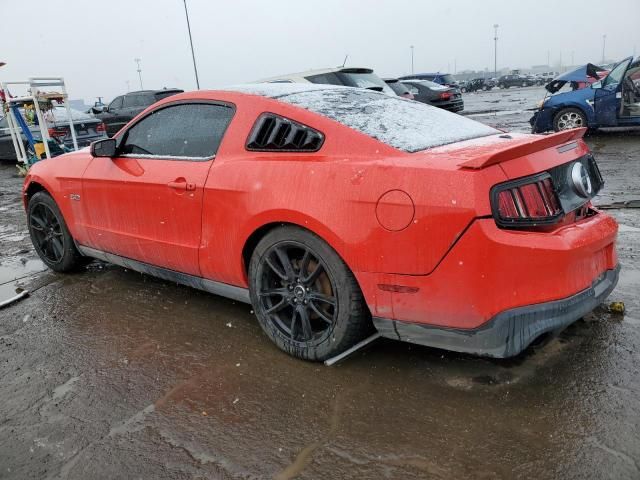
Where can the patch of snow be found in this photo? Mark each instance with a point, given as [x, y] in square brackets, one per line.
[59, 114]
[403, 124]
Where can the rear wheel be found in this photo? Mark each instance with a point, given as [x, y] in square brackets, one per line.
[50, 235]
[569, 118]
[305, 297]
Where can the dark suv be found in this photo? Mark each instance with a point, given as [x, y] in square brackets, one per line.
[513, 80]
[123, 108]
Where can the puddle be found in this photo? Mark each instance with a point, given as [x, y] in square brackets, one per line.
[11, 274]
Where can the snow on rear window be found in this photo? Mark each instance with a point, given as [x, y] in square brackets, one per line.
[403, 124]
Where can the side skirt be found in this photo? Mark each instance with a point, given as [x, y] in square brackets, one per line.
[217, 288]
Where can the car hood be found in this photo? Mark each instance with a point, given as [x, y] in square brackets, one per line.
[580, 74]
[581, 96]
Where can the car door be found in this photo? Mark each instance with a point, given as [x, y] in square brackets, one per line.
[145, 203]
[608, 95]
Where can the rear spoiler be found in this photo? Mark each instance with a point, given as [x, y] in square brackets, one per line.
[532, 144]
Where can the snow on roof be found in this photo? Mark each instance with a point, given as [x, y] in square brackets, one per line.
[403, 124]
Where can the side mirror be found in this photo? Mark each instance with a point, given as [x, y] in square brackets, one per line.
[104, 148]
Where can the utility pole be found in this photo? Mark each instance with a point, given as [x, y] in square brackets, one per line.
[193, 55]
[412, 72]
[495, 50]
[604, 41]
[455, 66]
[137, 60]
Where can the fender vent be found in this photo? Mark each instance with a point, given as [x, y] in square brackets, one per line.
[273, 133]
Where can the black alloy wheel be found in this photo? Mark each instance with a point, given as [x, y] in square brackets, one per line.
[306, 299]
[297, 293]
[46, 233]
[50, 236]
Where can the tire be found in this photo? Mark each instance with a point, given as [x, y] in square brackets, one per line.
[463, 90]
[524, 84]
[50, 236]
[484, 87]
[569, 118]
[284, 295]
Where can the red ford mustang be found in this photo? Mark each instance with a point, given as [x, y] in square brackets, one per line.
[336, 211]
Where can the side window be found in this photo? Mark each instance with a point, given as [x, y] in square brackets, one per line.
[132, 101]
[116, 104]
[192, 130]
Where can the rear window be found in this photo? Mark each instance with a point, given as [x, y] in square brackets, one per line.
[448, 79]
[399, 88]
[403, 124]
[365, 80]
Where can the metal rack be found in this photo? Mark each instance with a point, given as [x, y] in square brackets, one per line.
[36, 95]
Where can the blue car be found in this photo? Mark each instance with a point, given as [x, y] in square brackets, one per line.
[613, 101]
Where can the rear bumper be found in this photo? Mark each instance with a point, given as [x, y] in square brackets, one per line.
[510, 332]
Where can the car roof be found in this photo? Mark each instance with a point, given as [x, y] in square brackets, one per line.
[139, 92]
[318, 71]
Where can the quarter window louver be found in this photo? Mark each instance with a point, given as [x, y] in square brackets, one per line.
[272, 132]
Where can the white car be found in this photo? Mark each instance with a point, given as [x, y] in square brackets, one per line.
[350, 77]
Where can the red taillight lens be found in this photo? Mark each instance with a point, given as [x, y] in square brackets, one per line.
[58, 132]
[527, 203]
[101, 128]
[446, 95]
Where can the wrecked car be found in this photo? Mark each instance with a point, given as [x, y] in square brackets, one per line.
[338, 211]
[591, 101]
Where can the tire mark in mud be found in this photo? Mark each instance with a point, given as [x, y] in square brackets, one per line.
[304, 456]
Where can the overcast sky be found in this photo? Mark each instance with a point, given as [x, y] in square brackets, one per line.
[93, 43]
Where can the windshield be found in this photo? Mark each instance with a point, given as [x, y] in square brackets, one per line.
[402, 124]
[616, 74]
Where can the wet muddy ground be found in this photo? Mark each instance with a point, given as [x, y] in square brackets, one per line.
[113, 374]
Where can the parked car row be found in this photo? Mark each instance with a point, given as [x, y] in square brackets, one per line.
[439, 90]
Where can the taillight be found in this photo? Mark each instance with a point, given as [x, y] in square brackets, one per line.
[446, 95]
[58, 132]
[526, 202]
[100, 128]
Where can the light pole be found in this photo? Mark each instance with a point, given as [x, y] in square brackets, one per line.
[604, 41]
[495, 50]
[412, 72]
[137, 60]
[193, 55]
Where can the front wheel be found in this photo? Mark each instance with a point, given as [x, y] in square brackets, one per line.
[50, 235]
[569, 118]
[463, 90]
[305, 297]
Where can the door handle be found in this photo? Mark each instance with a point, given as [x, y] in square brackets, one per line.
[182, 184]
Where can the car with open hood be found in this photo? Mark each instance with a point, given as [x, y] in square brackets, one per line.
[591, 100]
[336, 212]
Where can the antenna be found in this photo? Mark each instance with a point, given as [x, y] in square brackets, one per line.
[345, 60]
